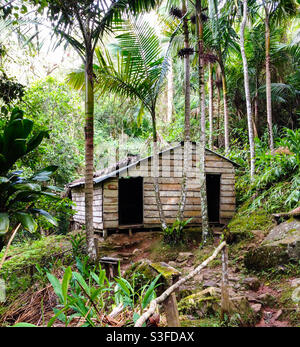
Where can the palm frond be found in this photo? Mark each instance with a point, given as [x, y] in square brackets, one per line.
[280, 92]
[76, 79]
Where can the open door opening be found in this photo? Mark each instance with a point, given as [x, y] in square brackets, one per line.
[131, 201]
[213, 197]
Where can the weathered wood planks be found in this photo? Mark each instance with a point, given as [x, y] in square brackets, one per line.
[170, 170]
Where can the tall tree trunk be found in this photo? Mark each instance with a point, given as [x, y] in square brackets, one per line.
[224, 84]
[203, 192]
[247, 91]
[89, 156]
[187, 116]
[268, 81]
[155, 173]
[187, 84]
[211, 107]
[256, 121]
[170, 94]
[218, 113]
[226, 116]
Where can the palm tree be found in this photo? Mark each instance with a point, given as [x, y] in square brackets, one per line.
[247, 90]
[187, 109]
[278, 11]
[185, 54]
[211, 105]
[139, 73]
[82, 24]
[203, 192]
[220, 37]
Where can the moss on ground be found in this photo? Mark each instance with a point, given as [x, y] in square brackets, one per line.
[203, 323]
[200, 304]
[167, 272]
[139, 274]
[265, 257]
[244, 222]
[291, 311]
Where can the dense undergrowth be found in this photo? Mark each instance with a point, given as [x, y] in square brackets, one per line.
[275, 186]
[84, 295]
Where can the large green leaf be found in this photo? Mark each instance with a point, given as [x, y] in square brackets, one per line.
[28, 186]
[51, 195]
[56, 286]
[82, 282]
[27, 127]
[27, 221]
[150, 293]
[45, 214]
[16, 113]
[65, 284]
[56, 189]
[35, 141]
[4, 223]
[44, 174]
[24, 325]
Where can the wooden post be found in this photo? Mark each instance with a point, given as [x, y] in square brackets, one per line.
[105, 234]
[225, 300]
[110, 265]
[171, 276]
[111, 271]
[171, 310]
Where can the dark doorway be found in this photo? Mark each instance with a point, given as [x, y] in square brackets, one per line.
[131, 201]
[213, 197]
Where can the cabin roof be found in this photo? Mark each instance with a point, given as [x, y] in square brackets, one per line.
[127, 163]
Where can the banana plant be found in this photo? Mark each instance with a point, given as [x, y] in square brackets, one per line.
[19, 194]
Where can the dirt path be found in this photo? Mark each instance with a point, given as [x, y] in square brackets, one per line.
[262, 298]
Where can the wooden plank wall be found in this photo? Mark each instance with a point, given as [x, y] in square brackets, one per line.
[79, 199]
[106, 214]
[217, 165]
[110, 203]
[170, 185]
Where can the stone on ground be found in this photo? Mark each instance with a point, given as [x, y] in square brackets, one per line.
[281, 246]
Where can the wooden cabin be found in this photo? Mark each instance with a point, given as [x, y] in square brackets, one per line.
[124, 196]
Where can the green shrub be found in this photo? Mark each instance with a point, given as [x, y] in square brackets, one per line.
[174, 234]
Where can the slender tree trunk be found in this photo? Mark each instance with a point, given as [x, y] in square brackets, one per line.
[211, 106]
[226, 116]
[187, 84]
[268, 81]
[12, 236]
[203, 193]
[255, 121]
[89, 156]
[218, 113]
[187, 116]
[247, 91]
[156, 174]
[170, 94]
